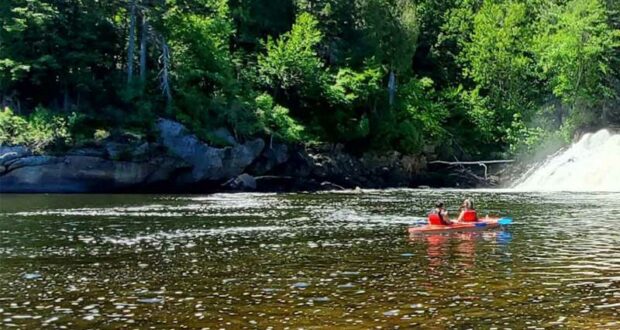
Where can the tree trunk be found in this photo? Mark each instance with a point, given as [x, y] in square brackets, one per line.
[131, 43]
[165, 71]
[66, 102]
[143, 47]
[392, 87]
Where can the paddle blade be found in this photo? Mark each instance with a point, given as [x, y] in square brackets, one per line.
[505, 221]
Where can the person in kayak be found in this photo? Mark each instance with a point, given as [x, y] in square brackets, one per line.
[468, 212]
[439, 215]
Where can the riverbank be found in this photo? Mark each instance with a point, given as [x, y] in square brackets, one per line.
[177, 161]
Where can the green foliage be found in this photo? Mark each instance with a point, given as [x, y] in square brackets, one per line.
[256, 19]
[500, 65]
[203, 67]
[577, 50]
[523, 139]
[349, 94]
[390, 30]
[575, 47]
[352, 88]
[37, 131]
[101, 134]
[291, 62]
[503, 75]
[417, 120]
[12, 127]
[276, 120]
[57, 54]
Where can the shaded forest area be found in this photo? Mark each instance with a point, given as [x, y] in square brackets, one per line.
[467, 78]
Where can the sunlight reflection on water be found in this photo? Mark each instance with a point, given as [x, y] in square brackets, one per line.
[335, 260]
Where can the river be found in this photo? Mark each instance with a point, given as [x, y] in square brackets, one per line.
[322, 260]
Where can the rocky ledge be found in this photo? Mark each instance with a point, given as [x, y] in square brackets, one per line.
[180, 162]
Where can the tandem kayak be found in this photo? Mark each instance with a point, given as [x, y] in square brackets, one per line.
[482, 224]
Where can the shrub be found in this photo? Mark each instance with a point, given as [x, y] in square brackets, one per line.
[12, 127]
[276, 120]
[101, 134]
[38, 131]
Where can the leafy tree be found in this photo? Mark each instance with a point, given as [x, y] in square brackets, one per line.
[291, 65]
[390, 30]
[575, 48]
[474, 77]
[350, 96]
[498, 62]
[59, 54]
[202, 64]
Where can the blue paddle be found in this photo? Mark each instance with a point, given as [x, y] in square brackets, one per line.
[505, 221]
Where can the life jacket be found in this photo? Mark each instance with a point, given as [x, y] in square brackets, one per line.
[470, 216]
[435, 219]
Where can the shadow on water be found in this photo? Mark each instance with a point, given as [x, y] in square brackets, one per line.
[334, 260]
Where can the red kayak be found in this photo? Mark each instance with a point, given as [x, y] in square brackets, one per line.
[481, 224]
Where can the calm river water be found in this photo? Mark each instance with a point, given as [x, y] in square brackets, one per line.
[313, 261]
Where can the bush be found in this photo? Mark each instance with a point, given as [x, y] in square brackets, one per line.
[101, 134]
[38, 131]
[291, 62]
[523, 139]
[12, 127]
[276, 120]
[415, 121]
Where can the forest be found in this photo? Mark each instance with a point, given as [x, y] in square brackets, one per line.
[470, 78]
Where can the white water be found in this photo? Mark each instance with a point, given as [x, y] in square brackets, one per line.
[592, 164]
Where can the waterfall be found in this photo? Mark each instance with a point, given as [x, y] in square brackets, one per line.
[592, 164]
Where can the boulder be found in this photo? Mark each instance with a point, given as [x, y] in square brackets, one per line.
[9, 153]
[236, 159]
[299, 165]
[79, 174]
[117, 151]
[142, 151]
[80, 171]
[278, 153]
[208, 163]
[242, 182]
[271, 157]
[32, 162]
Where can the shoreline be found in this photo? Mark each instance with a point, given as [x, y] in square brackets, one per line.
[178, 162]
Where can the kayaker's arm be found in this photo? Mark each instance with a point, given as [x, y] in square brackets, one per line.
[446, 218]
[460, 218]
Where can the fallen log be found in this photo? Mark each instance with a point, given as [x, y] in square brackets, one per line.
[482, 163]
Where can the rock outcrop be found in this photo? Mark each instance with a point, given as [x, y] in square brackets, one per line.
[80, 173]
[243, 182]
[332, 164]
[179, 162]
[208, 163]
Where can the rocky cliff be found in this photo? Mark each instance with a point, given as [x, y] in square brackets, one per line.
[180, 162]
